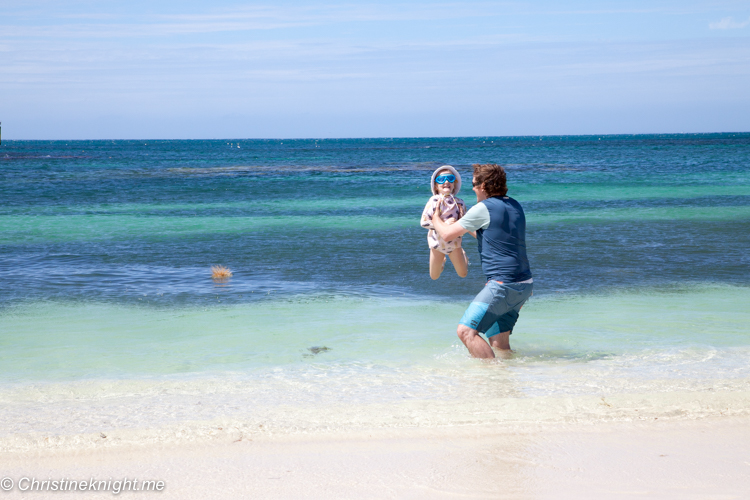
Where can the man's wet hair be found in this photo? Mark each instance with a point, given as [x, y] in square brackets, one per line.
[493, 177]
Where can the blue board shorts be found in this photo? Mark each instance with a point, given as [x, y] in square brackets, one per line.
[495, 309]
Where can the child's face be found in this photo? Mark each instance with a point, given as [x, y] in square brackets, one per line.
[445, 188]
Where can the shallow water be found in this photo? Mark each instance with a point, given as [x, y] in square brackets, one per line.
[110, 322]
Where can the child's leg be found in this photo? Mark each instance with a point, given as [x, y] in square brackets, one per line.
[460, 262]
[437, 263]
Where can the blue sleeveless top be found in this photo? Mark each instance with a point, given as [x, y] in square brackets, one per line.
[502, 246]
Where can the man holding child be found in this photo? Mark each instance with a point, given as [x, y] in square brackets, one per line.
[500, 224]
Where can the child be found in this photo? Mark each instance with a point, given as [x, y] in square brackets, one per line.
[445, 183]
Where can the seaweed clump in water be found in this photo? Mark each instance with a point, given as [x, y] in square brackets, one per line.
[316, 350]
[220, 273]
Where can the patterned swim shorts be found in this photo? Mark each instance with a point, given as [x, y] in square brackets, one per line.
[495, 309]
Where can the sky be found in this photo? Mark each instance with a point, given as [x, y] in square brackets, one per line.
[297, 69]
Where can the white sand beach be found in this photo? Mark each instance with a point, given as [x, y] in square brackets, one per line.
[661, 459]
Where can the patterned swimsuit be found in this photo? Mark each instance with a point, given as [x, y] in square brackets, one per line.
[450, 208]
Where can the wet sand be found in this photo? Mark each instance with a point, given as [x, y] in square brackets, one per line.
[655, 459]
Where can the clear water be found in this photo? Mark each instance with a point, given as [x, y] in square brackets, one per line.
[110, 321]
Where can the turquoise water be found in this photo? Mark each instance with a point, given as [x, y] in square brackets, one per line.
[110, 321]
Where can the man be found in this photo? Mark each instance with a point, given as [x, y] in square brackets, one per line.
[501, 235]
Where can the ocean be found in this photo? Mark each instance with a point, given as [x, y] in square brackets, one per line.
[112, 330]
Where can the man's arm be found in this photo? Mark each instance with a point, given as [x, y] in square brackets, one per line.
[477, 217]
[448, 232]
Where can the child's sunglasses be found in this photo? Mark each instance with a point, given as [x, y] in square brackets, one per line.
[442, 179]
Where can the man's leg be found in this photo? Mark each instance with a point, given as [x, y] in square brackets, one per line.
[499, 334]
[474, 342]
[501, 341]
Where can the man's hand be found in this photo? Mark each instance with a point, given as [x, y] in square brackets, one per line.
[436, 216]
[449, 231]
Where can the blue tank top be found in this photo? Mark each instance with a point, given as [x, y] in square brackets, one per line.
[502, 246]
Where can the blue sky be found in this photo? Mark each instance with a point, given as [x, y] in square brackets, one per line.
[168, 69]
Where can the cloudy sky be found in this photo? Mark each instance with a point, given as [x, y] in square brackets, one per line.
[222, 69]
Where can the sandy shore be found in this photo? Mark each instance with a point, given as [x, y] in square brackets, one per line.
[657, 459]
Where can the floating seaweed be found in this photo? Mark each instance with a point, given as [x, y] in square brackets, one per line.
[220, 273]
[316, 350]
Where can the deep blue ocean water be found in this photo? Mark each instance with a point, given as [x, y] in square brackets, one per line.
[638, 246]
[111, 220]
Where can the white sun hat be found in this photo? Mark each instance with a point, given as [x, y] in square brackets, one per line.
[456, 185]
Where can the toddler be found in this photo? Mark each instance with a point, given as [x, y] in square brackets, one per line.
[445, 183]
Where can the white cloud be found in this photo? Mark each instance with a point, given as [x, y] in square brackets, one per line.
[728, 23]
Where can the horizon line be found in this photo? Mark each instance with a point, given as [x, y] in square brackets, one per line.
[387, 137]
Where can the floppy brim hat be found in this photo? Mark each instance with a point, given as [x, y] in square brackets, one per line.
[456, 185]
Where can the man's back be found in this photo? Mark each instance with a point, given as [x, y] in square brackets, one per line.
[502, 245]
